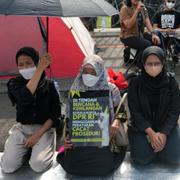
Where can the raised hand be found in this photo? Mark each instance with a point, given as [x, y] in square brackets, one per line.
[45, 61]
[140, 7]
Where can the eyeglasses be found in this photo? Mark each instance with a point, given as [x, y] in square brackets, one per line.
[149, 64]
[170, 1]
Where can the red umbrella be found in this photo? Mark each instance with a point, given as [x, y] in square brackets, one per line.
[58, 8]
[67, 51]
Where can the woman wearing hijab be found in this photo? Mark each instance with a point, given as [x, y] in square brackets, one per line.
[86, 160]
[37, 111]
[154, 103]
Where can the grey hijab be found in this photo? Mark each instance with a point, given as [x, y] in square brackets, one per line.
[98, 64]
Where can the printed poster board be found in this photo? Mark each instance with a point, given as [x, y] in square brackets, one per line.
[89, 118]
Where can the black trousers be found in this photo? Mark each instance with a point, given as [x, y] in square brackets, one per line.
[90, 161]
[139, 43]
[142, 152]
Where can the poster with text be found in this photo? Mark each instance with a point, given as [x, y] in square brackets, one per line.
[89, 118]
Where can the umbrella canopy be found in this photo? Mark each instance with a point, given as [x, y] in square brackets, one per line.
[56, 8]
[63, 8]
[69, 42]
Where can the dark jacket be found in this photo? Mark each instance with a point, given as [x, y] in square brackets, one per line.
[167, 112]
[37, 108]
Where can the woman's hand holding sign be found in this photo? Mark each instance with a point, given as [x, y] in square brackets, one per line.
[114, 128]
[67, 143]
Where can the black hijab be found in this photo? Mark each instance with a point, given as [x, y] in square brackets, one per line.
[43, 85]
[28, 51]
[31, 52]
[154, 85]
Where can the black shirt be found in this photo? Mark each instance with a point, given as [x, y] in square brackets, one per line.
[167, 113]
[167, 19]
[37, 108]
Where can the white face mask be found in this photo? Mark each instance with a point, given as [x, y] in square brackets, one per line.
[170, 5]
[27, 73]
[90, 80]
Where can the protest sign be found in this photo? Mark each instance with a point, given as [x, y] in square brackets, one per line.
[89, 118]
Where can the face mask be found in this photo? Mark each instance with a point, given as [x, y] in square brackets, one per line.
[89, 80]
[27, 73]
[170, 5]
[154, 70]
